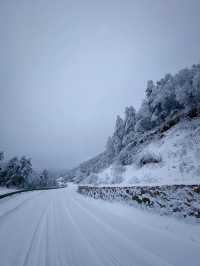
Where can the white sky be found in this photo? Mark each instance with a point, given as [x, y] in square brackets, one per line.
[69, 67]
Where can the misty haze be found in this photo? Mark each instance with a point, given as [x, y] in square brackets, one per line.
[100, 133]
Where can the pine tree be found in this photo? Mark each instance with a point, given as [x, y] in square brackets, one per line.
[130, 120]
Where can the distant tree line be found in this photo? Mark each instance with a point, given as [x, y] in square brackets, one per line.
[20, 173]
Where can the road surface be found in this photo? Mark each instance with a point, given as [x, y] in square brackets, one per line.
[61, 228]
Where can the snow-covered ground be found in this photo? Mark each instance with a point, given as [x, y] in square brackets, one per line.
[4, 190]
[177, 152]
[61, 227]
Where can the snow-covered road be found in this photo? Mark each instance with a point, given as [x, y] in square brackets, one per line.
[61, 228]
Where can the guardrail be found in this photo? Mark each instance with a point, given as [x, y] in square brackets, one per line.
[27, 190]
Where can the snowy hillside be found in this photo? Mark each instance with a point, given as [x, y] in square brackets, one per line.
[173, 158]
[159, 143]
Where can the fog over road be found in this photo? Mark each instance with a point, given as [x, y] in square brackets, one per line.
[61, 228]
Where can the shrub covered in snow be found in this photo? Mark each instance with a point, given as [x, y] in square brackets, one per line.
[147, 158]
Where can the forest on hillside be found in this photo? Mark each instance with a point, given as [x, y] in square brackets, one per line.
[167, 101]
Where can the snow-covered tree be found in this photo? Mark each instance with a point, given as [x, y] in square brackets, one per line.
[16, 172]
[188, 87]
[150, 88]
[1, 166]
[166, 100]
[110, 147]
[196, 88]
[25, 168]
[1, 155]
[129, 125]
[13, 173]
[119, 127]
[1, 159]
[129, 138]
[130, 120]
[143, 118]
[44, 177]
[33, 180]
[118, 135]
[114, 144]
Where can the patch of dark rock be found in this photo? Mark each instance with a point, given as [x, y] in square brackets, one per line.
[197, 189]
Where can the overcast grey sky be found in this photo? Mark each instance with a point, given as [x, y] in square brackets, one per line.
[67, 68]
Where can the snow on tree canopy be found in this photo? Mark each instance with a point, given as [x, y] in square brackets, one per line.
[166, 101]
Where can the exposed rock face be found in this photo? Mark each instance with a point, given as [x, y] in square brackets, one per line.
[178, 200]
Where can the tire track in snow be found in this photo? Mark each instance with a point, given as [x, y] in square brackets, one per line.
[34, 235]
[146, 236]
[56, 229]
[150, 258]
[88, 244]
[106, 256]
[62, 228]
[140, 226]
[93, 247]
[18, 206]
[110, 252]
